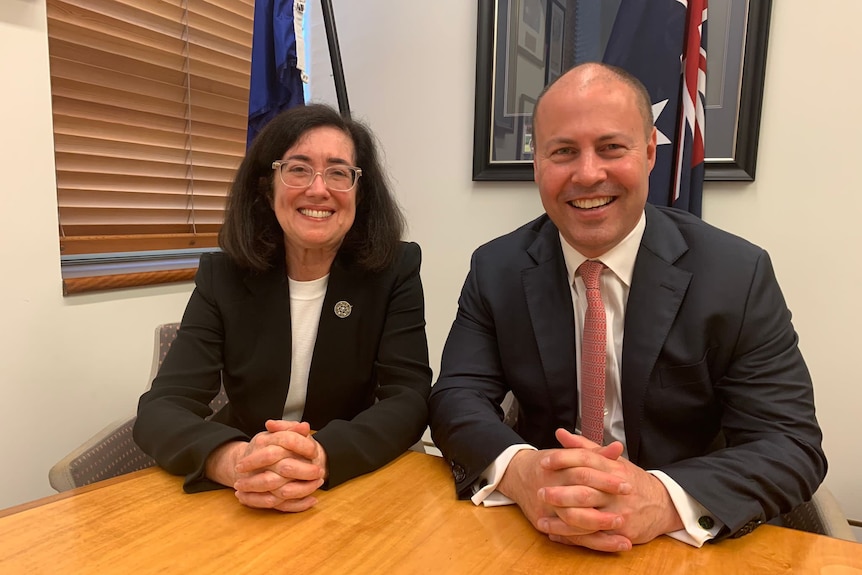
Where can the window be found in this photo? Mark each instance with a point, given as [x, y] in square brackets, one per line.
[150, 104]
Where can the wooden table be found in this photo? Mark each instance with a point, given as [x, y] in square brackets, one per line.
[401, 519]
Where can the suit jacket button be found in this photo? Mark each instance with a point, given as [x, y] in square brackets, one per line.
[706, 522]
[459, 473]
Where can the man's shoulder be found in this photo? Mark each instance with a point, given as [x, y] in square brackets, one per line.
[519, 240]
[702, 236]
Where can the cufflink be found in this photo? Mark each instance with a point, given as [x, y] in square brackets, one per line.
[706, 522]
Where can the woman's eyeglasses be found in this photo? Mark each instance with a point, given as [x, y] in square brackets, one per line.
[337, 178]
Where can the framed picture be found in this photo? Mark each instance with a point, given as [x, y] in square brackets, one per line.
[531, 28]
[556, 30]
[737, 33]
[508, 68]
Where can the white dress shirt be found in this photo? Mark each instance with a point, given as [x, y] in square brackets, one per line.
[615, 285]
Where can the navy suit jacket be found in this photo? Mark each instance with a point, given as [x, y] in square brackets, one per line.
[715, 392]
[367, 387]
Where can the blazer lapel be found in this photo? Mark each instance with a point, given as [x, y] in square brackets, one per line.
[549, 302]
[268, 319]
[337, 330]
[657, 291]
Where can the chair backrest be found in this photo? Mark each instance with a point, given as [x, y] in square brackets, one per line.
[822, 515]
[112, 451]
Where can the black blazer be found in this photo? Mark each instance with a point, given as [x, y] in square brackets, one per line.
[367, 388]
[709, 358]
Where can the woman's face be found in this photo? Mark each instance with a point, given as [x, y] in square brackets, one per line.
[316, 218]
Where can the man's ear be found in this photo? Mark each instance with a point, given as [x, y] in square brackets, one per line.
[651, 148]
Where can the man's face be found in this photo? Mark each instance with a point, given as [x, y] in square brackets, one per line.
[592, 159]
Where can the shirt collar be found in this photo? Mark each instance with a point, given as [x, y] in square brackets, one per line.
[620, 259]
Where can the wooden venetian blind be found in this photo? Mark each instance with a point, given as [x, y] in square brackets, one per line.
[150, 104]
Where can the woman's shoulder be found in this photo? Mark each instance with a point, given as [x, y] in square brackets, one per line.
[218, 263]
[409, 251]
[408, 258]
[219, 269]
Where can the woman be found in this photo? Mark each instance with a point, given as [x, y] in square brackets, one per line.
[314, 312]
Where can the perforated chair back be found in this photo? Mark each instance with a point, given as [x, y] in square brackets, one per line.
[112, 451]
[821, 515]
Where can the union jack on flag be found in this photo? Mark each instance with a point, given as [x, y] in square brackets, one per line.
[663, 43]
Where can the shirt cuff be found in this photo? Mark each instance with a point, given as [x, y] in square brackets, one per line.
[485, 489]
[699, 526]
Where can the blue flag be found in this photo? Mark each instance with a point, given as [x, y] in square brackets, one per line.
[276, 81]
[663, 43]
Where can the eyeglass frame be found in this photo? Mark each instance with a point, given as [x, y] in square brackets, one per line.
[276, 166]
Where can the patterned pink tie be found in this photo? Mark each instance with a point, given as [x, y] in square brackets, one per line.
[593, 355]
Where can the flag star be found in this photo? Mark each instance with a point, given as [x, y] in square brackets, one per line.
[657, 109]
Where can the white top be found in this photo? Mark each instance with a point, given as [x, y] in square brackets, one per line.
[306, 303]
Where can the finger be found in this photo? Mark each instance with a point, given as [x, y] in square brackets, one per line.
[286, 469]
[302, 445]
[297, 505]
[288, 434]
[597, 541]
[578, 521]
[611, 483]
[574, 496]
[261, 482]
[274, 425]
[260, 458]
[613, 450]
[297, 489]
[570, 440]
[258, 500]
[293, 468]
[560, 459]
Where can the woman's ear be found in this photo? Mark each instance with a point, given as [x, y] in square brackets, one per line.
[266, 188]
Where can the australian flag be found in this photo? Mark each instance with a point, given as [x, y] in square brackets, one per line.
[663, 43]
[276, 80]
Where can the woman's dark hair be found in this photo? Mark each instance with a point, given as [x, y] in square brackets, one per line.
[251, 234]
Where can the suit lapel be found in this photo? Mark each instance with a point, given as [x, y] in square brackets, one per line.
[549, 302]
[658, 288]
[268, 316]
[336, 331]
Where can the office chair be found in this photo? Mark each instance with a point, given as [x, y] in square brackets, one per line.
[821, 515]
[112, 451]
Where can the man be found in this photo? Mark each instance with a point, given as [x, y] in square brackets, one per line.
[706, 424]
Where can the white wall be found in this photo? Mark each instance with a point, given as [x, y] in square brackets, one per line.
[70, 365]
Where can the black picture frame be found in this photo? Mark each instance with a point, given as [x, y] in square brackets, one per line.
[739, 164]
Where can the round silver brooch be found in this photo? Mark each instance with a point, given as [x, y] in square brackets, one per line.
[343, 309]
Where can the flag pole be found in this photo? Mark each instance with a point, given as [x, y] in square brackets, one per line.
[335, 56]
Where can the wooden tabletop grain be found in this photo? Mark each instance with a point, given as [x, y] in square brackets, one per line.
[403, 518]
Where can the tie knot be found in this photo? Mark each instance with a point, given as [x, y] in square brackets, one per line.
[591, 270]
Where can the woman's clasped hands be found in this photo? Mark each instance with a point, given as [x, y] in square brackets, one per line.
[280, 468]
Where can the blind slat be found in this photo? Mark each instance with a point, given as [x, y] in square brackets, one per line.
[112, 199]
[94, 164]
[71, 182]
